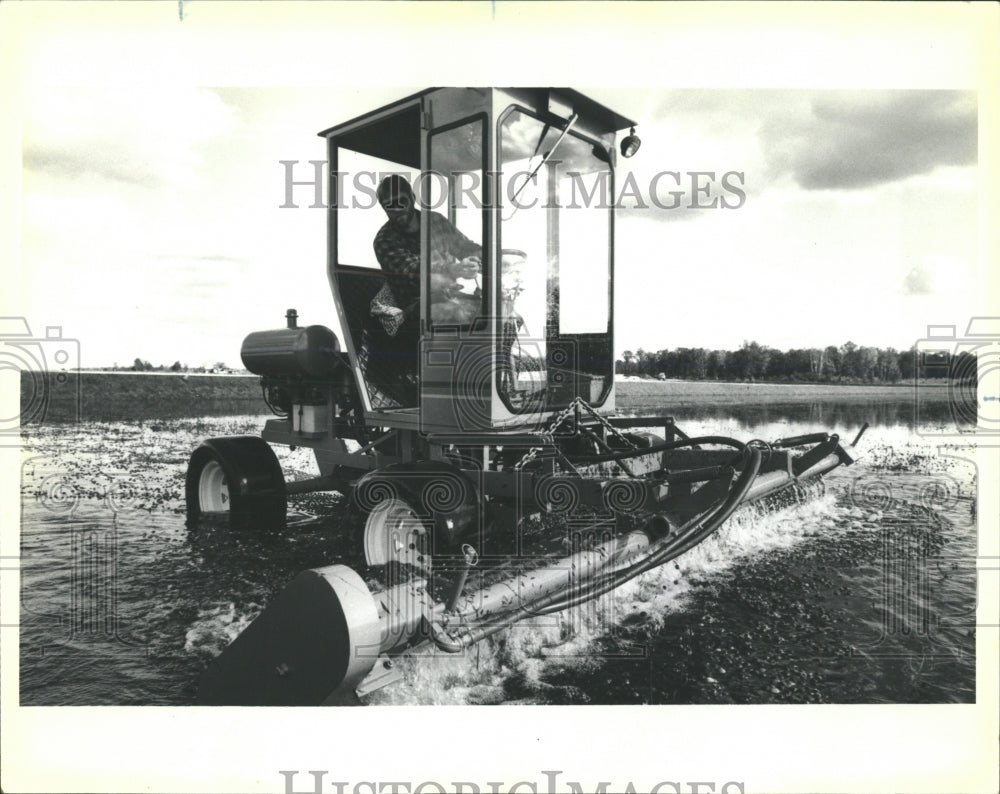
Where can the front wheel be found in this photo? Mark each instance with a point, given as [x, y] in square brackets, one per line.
[394, 533]
[239, 477]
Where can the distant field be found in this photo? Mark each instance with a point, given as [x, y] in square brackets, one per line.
[104, 396]
[648, 394]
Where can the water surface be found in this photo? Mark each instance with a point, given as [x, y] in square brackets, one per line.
[864, 593]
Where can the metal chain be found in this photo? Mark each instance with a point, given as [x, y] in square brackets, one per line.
[557, 420]
[562, 416]
[607, 425]
[529, 456]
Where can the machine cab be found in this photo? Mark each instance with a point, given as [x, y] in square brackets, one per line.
[471, 239]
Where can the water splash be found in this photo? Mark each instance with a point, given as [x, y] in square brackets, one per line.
[216, 627]
[512, 667]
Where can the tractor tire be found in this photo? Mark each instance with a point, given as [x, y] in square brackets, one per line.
[415, 511]
[238, 476]
[394, 533]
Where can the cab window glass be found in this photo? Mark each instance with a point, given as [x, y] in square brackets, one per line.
[359, 215]
[452, 192]
[555, 276]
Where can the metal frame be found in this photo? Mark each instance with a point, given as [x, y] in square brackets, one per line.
[332, 135]
[517, 106]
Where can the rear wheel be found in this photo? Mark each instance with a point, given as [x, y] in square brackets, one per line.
[239, 477]
[213, 489]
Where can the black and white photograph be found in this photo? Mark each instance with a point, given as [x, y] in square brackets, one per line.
[500, 397]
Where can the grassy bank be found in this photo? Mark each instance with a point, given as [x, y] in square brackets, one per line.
[107, 396]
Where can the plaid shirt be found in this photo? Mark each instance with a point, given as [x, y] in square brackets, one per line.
[398, 252]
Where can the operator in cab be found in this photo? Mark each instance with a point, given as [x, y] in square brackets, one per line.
[455, 263]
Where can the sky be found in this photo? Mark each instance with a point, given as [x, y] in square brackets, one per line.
[858, 223]
[151, 226]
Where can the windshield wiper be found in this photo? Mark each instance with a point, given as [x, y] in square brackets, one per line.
[545, 158]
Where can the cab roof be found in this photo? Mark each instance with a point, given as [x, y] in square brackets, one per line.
[599, 117]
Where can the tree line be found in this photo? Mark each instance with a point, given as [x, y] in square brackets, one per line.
[755, 362]
[141, 365]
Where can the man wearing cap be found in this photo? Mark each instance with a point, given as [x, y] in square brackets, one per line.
[397, 248]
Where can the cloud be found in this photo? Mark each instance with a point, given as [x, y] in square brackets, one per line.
[850, 140]
[220, 258]
[699, 147]
[136, 137]
[71, 161]
[917, 282]
[940, 275]
[680, 196]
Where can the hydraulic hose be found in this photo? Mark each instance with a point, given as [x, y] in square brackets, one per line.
[663, 446]
[800, 441]
[689, 537]
[725, 510]
[692, 533]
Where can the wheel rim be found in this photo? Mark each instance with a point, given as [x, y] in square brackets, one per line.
[394, 533]
[213, 490]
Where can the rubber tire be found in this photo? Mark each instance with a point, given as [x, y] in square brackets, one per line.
[376, 514]
[407, 481]
[259, 499]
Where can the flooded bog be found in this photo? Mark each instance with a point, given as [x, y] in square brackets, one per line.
[860, 592]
